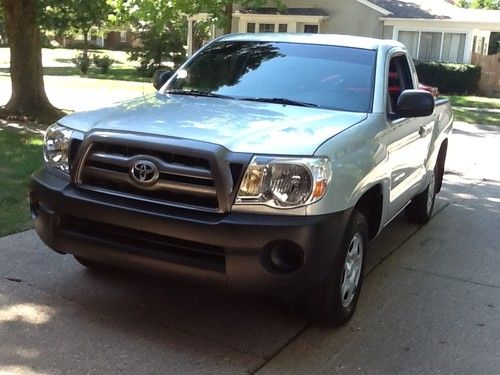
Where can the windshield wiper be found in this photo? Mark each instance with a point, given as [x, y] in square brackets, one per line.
[283, 101]
[197, 93]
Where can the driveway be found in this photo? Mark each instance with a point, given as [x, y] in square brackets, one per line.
[430, 303]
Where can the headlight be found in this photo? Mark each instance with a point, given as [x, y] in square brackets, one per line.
[56, 147]
[284, 182]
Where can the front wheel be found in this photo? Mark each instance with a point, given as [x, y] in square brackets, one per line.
[333, 302]
[90, 264]
[420, 209]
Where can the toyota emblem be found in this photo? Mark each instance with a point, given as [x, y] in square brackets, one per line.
[144, 172]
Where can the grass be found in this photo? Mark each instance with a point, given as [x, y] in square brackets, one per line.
[20, 155]
[476, 117]
[114, 73]
[475, 102]
[476, 109]
[59, 62]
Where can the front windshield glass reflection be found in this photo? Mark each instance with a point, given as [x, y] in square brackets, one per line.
[325, 76]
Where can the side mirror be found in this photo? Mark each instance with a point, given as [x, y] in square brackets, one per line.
[415, 103]
[160, 77]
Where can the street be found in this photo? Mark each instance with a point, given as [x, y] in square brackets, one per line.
[430, 302]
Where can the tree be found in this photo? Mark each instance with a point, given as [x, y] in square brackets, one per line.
[162, 25]
[28, 91]
[222, 10]
[479, 4]
[75, 16]
[162, 29]
[485, 4]
[3, 36]
[463, 3]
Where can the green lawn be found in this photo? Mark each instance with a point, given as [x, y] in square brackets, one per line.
[21, 147]
[59, 62]
[476, 117]
[474, 109]
[20, 155]
[475, 102]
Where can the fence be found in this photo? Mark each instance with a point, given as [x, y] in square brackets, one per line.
[489, 85]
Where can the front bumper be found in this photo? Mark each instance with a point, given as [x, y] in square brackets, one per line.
[231, 249]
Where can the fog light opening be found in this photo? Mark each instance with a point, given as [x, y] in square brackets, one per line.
[284, 257]
[34, 205]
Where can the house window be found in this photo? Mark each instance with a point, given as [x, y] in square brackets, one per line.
[453, 47]
[123, 36]
[484, 46]
[434, 46]
[410, 40]
[282, 28]
[266, 28]
[250, 27]
[311, 29]
[430, 46]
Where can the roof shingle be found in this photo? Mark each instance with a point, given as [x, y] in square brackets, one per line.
[435, 9]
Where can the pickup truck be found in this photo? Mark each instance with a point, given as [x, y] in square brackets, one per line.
[265, 163]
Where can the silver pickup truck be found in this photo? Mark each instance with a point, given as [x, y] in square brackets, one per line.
[264, 164]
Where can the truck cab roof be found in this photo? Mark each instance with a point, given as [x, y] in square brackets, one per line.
[320, 39]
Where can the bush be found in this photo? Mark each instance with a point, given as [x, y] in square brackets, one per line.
[82, 62]
[458, 79]
[102, 63]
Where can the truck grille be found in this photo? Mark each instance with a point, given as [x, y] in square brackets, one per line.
[185, 177]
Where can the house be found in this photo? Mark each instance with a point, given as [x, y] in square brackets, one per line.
[115, 40]
[432, 30]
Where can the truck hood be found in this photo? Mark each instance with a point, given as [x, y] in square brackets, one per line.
[240, 126]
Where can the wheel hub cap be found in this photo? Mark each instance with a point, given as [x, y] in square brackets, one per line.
[352, 270]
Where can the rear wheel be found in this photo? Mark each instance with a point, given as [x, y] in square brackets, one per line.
[420, 209]
[333, 302]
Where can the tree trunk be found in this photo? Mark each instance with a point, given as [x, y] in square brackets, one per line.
[28, 91]
[86, 43]
[228, 17]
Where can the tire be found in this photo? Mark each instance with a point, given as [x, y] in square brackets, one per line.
[90, 264]
[441, 161]
[419, 211]
[333, 302]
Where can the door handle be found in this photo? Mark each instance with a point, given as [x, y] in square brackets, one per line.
[423, 131]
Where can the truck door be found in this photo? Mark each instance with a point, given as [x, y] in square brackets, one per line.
[406, 139]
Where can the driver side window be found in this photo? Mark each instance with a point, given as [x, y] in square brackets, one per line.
[398, 80]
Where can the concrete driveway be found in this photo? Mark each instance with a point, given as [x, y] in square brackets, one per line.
[430, 303]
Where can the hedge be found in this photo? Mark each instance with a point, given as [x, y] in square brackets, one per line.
[458, 79]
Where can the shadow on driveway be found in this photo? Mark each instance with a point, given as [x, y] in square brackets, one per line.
[54, 312]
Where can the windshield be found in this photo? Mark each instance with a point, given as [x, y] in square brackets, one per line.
[322, 76]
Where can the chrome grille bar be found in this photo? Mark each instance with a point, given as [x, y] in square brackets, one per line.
[190, 174]
[176, 187]
[170, 168]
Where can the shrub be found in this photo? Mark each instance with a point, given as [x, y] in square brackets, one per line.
[102, 63]
[82, 62]
[459, 79]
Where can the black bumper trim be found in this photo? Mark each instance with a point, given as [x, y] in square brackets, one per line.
[224, 249]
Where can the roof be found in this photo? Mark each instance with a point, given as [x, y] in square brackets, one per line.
[435, 10]
[321, 39]
[287, 11]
